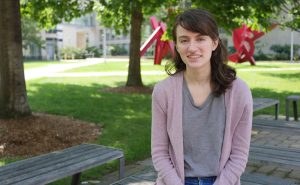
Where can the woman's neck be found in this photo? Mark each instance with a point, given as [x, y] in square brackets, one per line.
[200, 77]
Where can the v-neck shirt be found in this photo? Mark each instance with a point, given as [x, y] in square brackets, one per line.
[203, 131]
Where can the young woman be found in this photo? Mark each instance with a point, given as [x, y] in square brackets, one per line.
[201, 113]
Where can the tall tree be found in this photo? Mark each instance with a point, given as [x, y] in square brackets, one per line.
[125, 14]
[13, 98]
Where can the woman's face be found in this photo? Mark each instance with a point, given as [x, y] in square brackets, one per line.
[194, 49]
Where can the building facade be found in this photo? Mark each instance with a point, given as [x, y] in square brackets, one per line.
[80, 33]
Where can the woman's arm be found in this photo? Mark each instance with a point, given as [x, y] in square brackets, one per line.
[238, 158]
[160, 140]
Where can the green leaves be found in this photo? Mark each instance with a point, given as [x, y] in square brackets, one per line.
[48, 13]
[116, 13]
[30, 33]
[255, 13]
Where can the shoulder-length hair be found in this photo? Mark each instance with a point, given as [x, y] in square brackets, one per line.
[202, 22]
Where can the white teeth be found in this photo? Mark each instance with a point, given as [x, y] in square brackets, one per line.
[194, 56]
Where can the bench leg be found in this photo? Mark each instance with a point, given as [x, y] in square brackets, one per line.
[287, 110]
[76, 179]
[121, 167]
[295, 110]
[276, 111]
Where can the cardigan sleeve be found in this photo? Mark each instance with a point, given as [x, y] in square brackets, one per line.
[238, 157]
[160, 139]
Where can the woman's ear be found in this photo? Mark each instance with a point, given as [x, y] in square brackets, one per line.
[215, 44]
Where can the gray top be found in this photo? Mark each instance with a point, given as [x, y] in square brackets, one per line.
[203, 131]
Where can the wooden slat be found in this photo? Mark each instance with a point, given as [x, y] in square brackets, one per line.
[276, 124]
[37, 171]
[289, 157]
[261, 103]
[39, 168]
[60, 159]
[28, 164]
[272, 150]
[45, 157]
[56, 165]
[68, 170]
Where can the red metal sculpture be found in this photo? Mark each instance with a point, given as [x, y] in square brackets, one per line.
[243, 40]
[161, 47]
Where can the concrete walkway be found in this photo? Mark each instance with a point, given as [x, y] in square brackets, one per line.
[142, 172]
[55, 69]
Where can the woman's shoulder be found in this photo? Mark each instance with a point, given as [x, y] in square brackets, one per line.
[240, 90]
[168, 83]
[239, 84]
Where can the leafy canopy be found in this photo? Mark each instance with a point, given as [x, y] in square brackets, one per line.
[255, 13]
[116, 14]
[30, 33]
[49, 13]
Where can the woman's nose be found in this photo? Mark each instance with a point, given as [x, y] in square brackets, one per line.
[192, 46]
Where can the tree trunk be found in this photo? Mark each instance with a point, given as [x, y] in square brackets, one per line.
[13, 97]
[134, 70]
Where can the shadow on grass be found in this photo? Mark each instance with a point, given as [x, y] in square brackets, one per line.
[125, 118]
[285, 75]
[240, 66]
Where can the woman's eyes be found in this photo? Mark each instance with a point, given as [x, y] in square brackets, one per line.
[183, 41]
[200, 39]
[186, 40]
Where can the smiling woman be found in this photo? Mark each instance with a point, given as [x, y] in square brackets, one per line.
[200, 133]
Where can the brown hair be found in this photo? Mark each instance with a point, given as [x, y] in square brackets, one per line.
[202, 22]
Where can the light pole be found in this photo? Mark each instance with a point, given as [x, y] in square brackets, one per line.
[104, 45]
[292, 47]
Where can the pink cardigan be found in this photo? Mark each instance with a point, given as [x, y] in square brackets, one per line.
[167, 139]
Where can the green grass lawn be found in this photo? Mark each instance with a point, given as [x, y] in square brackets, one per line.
[126, 118]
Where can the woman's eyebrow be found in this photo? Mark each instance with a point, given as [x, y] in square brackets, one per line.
[183, 37]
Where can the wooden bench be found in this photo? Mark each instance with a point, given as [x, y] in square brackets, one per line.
[57, 165]
[261, 103]
[148, 177]
[277, 125]
[285, 157]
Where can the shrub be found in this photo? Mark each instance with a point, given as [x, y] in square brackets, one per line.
[282, 52]
[94, 51]
[262, 56]
[118, 50]
[73, 53]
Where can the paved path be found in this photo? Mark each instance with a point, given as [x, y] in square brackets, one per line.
[142, 173]
[57, 70]
[54, 69]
